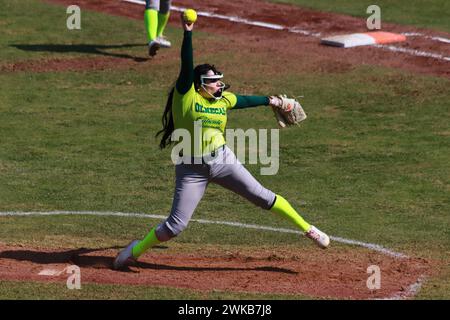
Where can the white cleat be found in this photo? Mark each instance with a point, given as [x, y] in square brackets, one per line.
[163, 42]
[319, 237]
[125, 256]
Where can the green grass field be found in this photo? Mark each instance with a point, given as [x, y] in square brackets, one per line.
[420, 13]
[370, 163]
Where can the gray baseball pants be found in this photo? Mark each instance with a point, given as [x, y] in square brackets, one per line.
[192, 180]
[162, 6]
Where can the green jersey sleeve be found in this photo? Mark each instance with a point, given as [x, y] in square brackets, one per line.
[243, 102]
[186, 78]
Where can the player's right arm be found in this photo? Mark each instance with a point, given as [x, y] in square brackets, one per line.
[186, 76]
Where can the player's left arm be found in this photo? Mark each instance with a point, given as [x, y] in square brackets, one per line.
[242, 102]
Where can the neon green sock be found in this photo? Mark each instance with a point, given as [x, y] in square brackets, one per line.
[151, 23]
[281, 206]
[149, 241]
[162, 22]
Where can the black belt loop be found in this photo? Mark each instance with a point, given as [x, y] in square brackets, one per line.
[213, 153]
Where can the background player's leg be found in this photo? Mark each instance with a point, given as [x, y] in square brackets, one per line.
[163, 17]
[151, 18]
[191, 183]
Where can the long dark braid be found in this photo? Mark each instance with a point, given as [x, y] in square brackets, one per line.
[167, 122]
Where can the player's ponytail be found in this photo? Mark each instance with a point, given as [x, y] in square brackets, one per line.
[167, 122]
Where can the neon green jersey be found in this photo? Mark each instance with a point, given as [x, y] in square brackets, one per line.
[191, 107]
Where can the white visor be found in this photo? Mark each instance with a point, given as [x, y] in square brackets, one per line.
[218, 94]
[213, 77]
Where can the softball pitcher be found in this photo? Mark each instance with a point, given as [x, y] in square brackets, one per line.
[200, 94]
[156, 15]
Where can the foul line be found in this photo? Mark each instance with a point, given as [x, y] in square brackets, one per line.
[371, 246]
[413, 52]
[410, 292]
[313, 34]
[272, 26]
[435, 38]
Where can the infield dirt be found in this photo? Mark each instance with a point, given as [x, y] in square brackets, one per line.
[340, 273]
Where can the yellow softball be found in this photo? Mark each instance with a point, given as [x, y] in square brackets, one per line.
[189, 16]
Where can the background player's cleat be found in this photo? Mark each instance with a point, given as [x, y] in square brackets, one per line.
[319, 237]
[153, 47]
[124, 256]
[163, 42]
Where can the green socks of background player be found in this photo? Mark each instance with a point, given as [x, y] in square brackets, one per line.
[149, 241]
[155, 23]
[282, 207]
[162, 22]
[151, 23]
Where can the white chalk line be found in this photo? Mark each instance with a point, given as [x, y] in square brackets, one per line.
[412, 52]
[272, 26]
[371, 246]
[413, 289]
[418, 34]
[280, 27]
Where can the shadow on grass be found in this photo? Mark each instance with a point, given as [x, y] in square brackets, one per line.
[96, 49]
[78, 258]
[68, 256]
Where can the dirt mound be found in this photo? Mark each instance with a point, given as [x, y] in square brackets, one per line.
[336, 273]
